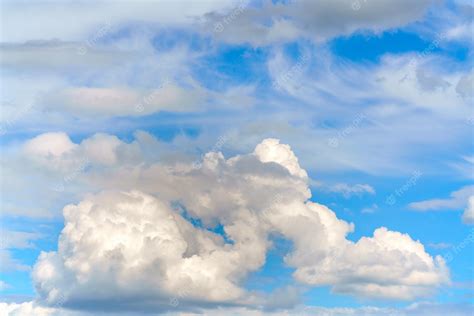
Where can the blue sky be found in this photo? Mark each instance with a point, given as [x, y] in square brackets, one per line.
[237, 157]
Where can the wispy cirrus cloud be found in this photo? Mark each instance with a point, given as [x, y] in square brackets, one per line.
[462, 199]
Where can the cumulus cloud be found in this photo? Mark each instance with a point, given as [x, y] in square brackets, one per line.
[135, 241]
[139, 245]
[49, 145]
[56, 151]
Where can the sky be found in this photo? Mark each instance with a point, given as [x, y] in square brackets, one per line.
[236, 157]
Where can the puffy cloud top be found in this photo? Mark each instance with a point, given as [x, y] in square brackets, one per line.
[270, 150]
[49, 144]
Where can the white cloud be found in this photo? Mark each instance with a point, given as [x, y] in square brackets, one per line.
[51, 169]
[397, 120]
[468, 215]
[56, 151]
[32, 308]
[49, 144]
[270, 150]
[155, 252]
[23, 309]
[458, 200]
[124, 244]
[348, 190]
[373, 267]
[253, 195]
